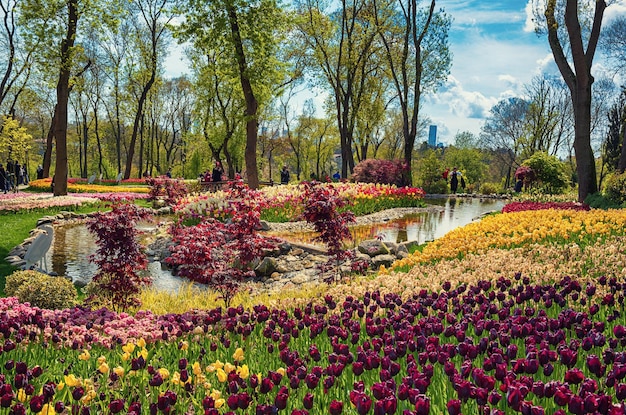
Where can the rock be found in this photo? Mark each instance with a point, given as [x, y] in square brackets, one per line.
[393, 247]
[385, 260]
[264, 226]
[45, 220]
[267, 266]
[408, 245]
[373, 248]
[402, 254]
[15, 261]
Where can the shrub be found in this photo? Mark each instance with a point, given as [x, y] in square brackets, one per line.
[119, 256]
[221, 254]
[171, 190]
[439, 186]
[321, 210]
[41, 290]
[615, 188]
[380, 171]
[489, 188]
[549, 171]
[17, 279]
[599, 201]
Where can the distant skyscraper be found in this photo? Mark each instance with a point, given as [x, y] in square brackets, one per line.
[432, 136]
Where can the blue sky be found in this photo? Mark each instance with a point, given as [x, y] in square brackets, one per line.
[495, 54]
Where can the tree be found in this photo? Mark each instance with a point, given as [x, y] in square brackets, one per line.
[341, 45]
[577, 75]
[503, 131]
[613, 43]
[14, 139]
[154, 15]
[249, 34]
[418, 57]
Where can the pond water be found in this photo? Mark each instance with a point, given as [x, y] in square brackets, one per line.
[74, 244]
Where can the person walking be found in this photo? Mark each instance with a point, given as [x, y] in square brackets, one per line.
[3, 179]
[218, 170]
[454, 180]
[284, 175]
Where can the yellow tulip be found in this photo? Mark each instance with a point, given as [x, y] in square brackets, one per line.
[101, 360]
[164, 373]
[228, 367]
[103, 368]
[219, 403]
[128, 347]
[119, 371]
[243, 372]
[141, 342]
[84, 355]
[281, 371]
[238, 355]
[221, 375]
[48, 409]
[196, 368]
[72, 381]
[21, 395]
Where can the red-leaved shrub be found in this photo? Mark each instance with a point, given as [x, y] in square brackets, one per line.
[220, 254]
[119, 256]
[171, 190]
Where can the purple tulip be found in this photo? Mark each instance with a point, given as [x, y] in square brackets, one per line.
[116, 406]
[574, 376]
[307, 401]
[454, 407]
[336, 407]
[422, 406]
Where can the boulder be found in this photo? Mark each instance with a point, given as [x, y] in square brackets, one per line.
[267, 266]
[385, 260]
[373, 248]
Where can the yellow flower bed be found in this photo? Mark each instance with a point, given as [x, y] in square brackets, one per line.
[519, 228]
[44, 185]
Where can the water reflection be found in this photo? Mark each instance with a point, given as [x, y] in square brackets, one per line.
[74, 244]
[421, 227]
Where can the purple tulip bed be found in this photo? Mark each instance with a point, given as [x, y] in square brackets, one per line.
[500, 347]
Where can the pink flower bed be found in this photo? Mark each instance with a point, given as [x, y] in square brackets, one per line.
[521, 206]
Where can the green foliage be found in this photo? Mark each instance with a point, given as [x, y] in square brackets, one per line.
[41, 290]
[469, 161]
[550, 173]
[489, 188]
[429, 174]
[599, 201]
[615, 188]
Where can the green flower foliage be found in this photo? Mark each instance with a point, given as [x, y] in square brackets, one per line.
[41, 290]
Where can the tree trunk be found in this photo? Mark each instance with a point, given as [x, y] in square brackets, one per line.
[47, 155]
[621, 165]
[63, 92]
[579, 81]
[252, 173]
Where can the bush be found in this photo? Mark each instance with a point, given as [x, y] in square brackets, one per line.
[436, 187]
[615, 188]
[380, 171]
[549, 173]
[598, 201]
[41, 290]
[489, 188]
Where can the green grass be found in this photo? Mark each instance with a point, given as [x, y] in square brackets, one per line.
[16, 226]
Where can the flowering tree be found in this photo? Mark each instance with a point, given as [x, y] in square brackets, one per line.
[381, 171]
[119, 256]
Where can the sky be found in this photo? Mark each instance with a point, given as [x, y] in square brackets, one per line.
[495, 53]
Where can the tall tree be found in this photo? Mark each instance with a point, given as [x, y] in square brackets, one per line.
[249, 33]
[577, 74]
[153, 17]
[341, 44]
[418, 56]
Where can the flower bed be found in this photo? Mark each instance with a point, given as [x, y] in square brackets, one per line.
[13, 202]
[531, 205]
[43, 185]
[492, 347]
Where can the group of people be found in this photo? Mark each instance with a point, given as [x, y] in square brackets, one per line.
[455, 179]
[217, 175]
[15, 174]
